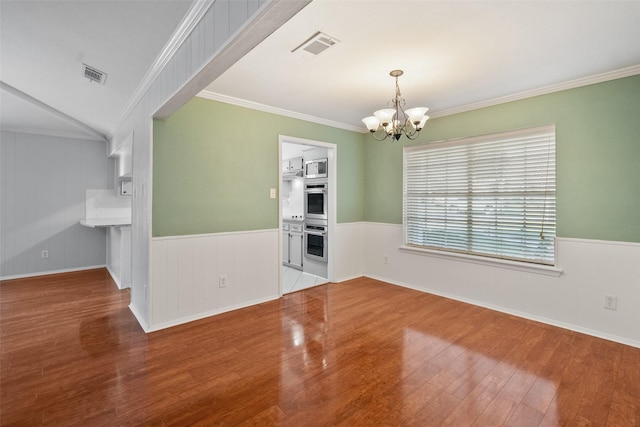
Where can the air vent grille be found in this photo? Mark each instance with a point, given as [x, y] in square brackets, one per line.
[315, 45]
[94, 74]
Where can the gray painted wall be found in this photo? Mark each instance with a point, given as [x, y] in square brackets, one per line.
[42, 192]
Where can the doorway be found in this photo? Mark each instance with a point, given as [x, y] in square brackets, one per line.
[301, 235]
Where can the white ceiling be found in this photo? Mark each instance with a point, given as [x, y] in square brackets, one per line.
[45, 42]
[455, 54]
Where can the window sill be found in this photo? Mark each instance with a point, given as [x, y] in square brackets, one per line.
[547, 270]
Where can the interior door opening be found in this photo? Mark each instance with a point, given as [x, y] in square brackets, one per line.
[307, 213]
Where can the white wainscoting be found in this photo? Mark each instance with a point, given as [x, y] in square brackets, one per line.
[574, 300]
[186, 270]
[348, 257]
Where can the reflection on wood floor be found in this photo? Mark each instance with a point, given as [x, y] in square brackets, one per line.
[360, 352]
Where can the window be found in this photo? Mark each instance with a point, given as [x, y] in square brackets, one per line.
[492, 195]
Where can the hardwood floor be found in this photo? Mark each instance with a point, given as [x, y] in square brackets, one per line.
[360, 352]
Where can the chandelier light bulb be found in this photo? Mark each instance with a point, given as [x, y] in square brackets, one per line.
[385, 115]
[422, 123]
[372, 123]
[416, 114]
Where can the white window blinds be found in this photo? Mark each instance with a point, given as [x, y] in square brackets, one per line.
[493, 195]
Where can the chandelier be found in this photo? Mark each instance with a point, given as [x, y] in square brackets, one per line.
[395, 121]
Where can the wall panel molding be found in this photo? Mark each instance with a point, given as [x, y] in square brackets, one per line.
[186, 271]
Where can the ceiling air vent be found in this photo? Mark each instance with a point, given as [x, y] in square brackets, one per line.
[316, 44]
[93, 74]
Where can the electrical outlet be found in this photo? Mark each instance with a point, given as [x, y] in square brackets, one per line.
[386, 259]
[222, 281]
[44, 254]
[272, 193]
[611, 302]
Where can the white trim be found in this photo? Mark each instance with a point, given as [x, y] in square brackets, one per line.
[541, 319]
[139, 318]
[182, 32]
[598, 242]
[115, 278]
[46, 273]
[332, 153]
[223, 233]
[199, 316]
[488, 261]
[383, 224]
[571, 84]
[147, 289]
[275, 110]
[344, 279]
[338, 224]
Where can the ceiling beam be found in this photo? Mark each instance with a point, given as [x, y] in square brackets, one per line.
[52, 111]
[272, 17]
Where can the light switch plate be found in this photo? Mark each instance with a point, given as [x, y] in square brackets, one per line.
[272, 193]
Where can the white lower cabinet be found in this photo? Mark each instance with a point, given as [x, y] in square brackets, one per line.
[285, 246]
[119, 255]
[292, 245]
[295, 249]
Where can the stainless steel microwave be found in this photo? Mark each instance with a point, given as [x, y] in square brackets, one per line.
[315, 168]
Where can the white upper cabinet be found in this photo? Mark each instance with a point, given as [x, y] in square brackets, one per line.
[292, 165]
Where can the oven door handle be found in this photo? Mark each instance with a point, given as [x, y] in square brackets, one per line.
[316, 233]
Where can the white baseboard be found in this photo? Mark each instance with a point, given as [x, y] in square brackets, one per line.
[199, 316]
[344, 279]
[46, 273]
[139, 318]
[116, 279]
[516, 313]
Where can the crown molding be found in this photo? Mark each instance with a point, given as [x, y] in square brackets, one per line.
[198, 9]
[275, 110]
[571, 84]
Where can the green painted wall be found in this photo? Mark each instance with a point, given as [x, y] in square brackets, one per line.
[598, 157]
[212, 174]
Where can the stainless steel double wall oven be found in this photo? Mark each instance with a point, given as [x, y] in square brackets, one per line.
[316, 202]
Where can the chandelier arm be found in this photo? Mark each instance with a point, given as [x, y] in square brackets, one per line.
[379, 139]
[412, 136]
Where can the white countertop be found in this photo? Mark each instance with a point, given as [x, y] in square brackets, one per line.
[105, 222]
